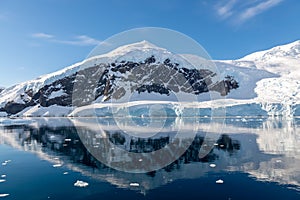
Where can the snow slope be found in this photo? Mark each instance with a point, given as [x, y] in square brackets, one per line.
[279, 94]
[133, 52]
[269, 78]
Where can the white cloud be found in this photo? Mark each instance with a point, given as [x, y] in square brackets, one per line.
[240, 11]
[257, 9]
[225, 10]
[80, 40]
[42, 35]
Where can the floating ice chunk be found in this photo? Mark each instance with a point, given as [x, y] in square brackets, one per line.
[220, 181]
[5, 162]
[212, 165]
[244, 120]
[4, 195]
[3, 176]
[2, 180]
[80, 184]
[57, 165]
[134, 184]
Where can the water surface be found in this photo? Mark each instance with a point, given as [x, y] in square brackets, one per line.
[255, 157]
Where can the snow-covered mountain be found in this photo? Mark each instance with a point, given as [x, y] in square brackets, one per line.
[262, 83]
[278, 93]
[138, 68]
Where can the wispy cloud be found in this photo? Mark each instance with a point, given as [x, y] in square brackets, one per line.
[239, 11]
[257, 9]
[225, 10]
[42, 35]
[80, 40]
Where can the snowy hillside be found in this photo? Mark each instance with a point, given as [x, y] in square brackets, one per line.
[262, 83]
[279, 93]
[139, 68]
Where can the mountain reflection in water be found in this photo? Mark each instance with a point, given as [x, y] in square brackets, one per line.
[265, 149]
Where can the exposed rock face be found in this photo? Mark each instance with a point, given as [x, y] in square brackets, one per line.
[114, 80]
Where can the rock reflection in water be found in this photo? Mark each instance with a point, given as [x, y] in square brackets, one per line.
[258, 151]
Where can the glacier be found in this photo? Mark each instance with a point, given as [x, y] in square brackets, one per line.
[269, 85]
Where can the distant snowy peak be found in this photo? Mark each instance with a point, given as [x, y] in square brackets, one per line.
[283, 61]
[140, 51]
[143, 45]
[291, 50]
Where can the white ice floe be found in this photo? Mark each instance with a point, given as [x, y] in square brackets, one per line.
[4, 195]
[57, 165]
[212, 165]
[243, 120]
[80, 184]
[134, 184]
[220, 181]
[5, 162]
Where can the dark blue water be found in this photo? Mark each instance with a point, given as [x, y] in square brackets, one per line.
[256, 158]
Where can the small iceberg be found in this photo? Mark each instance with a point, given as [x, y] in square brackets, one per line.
[80, 184]
[212, 165]
[5, 162]
[220, 181]
[134, 184]
[57, 165]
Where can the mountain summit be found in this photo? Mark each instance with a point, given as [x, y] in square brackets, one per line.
[263, 83]
[138, 68]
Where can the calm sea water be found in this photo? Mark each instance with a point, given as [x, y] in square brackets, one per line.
[256, 158]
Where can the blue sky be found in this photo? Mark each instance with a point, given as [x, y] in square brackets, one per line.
[42, 36]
